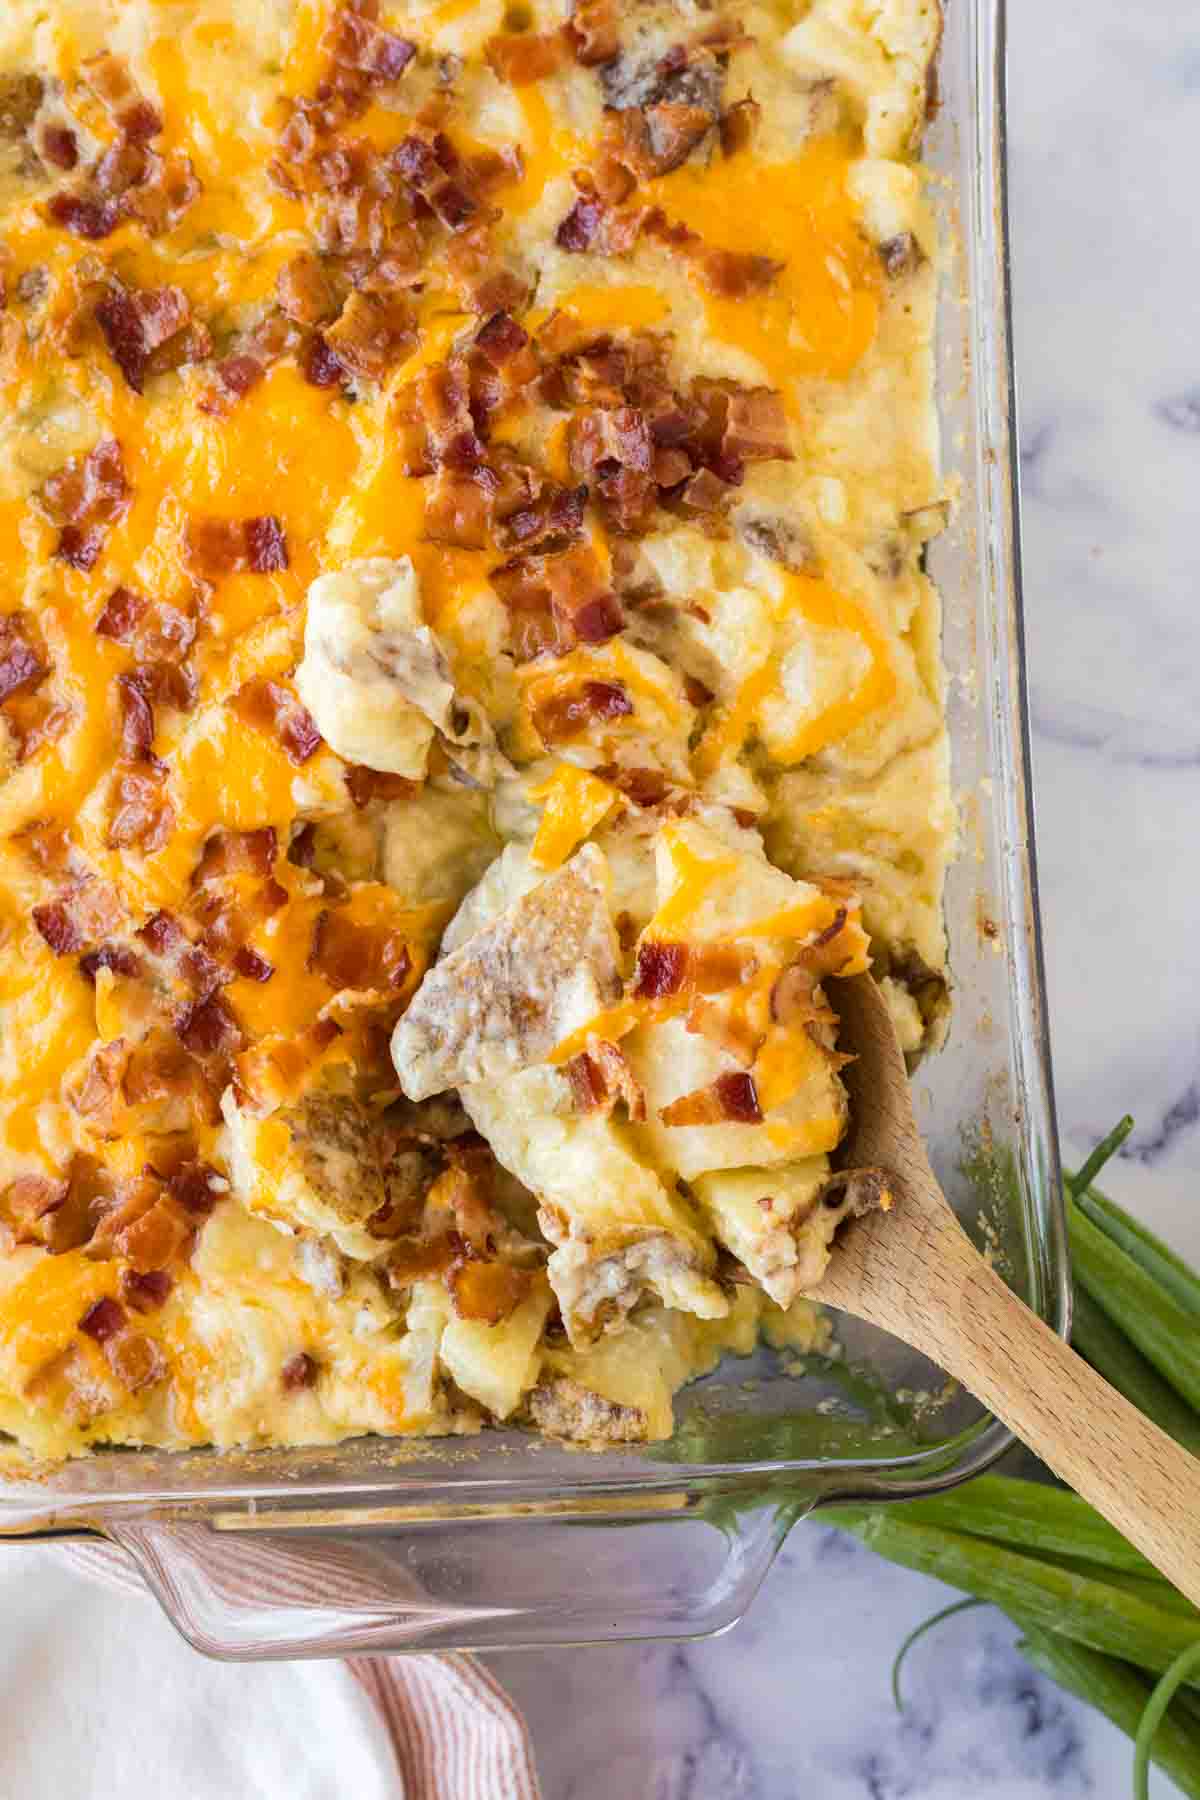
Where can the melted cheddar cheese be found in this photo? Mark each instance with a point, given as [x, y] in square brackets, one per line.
[598, 372]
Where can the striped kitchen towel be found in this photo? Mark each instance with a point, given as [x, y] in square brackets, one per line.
[443, 1728]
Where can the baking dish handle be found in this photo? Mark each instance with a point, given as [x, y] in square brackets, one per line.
[247, 1587]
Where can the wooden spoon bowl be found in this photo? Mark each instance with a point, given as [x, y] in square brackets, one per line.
[910, 1268]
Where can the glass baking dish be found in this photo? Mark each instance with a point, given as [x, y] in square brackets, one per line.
[504, 1540]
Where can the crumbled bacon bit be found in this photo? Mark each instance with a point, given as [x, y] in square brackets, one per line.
[738, 1097]
[732, 1099]
[217, 547]
[592, 31]
[275, 710]
[350, 954]
[372, 334]
[564, 715]
[318, 364]
[521, 58]
[733, 274]
[756, 428]
[251, 966]
[22, 662]
[235, 376]
[85, 499]
[58, 146]
[197, 1187]
[580, 229]
[356, 41]
[103, 1319]
[123, 611]
[85, 913]
[660, 971]
[305, 291]
[117, 957]
[236, 853]
[601, 1076]
[84, 216]
[137, 324]
[137, 718]
[299, 1371]
[146, 1290]
[209, 1027]
[162, 934]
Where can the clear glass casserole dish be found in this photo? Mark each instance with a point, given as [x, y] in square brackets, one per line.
[507, 1540]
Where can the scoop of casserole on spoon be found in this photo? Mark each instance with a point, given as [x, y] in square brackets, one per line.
[909, 1268]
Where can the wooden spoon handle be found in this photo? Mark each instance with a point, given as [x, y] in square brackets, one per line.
[1129, 1470]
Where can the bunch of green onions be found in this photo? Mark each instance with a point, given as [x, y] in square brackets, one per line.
[1093, 1613]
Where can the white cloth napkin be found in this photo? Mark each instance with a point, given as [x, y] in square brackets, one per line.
[101, 1699]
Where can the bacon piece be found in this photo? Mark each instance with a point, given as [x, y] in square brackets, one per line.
[305, 291]
[564, 715]
[163, 193]
[145, 1290]
[161, 1235]
[756, 428]
[732, 1099]
[23, 661]
[28, 1205]
[655, 140]
[85, 499]
[137, 324]
[556, 515]
[372, 334]
[217, 547]
[251, 966]
[521, 58]
[733, 274]
[274, 709]
[298, 1372]
[618, 434]
[123, 610]
[117, 957]
[85, 913]
[84, 216]
[143, 817]
[458, 508]
[348, 953]
[209, 1027]
[103, 1319]
[558, 601]
[601, 1076]
[109, 79]
[705, 492]
[237, 853]
[197, 1187]
[137, 718]
[58, 146]
[660, 971]
[355, 41]
[580, 230]
[318, 364]
[592, 31]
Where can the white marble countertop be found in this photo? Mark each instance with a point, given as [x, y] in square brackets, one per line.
[1104, 129]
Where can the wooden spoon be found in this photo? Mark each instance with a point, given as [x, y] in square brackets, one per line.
[912, 1270]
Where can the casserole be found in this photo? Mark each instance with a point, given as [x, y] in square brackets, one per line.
[380, 1544]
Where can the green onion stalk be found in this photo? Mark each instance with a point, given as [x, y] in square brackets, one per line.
[1093, 1613]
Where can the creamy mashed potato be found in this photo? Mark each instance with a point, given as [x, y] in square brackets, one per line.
[468, 685]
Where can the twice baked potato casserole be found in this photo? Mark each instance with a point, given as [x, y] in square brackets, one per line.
[467, 683]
